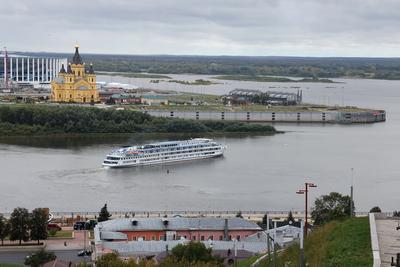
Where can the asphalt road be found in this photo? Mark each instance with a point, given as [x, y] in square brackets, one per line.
[18, 257]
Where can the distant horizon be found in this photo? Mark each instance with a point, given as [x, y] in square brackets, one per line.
[203, 55]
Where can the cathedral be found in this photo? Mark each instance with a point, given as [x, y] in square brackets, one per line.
[77, 84]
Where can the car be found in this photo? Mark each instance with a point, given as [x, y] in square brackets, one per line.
[84, 253]
[53, 226]
[79, 226]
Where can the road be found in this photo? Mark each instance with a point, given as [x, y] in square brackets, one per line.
[18, 257]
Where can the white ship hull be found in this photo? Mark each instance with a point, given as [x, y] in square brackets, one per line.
[162, 153]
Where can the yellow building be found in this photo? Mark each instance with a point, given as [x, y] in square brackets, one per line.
[77, 84]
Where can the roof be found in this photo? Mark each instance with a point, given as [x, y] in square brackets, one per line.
[179, 223]
[152, 96]
[113, 235]
[58, 79]
[77, 58]
[155, 247]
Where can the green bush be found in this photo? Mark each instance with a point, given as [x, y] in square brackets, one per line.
[41, 120]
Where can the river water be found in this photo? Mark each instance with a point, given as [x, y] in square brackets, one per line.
[256, 173]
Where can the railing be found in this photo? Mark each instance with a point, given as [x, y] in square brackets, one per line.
[205, 213]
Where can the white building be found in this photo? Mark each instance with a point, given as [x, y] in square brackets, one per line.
[30, 69]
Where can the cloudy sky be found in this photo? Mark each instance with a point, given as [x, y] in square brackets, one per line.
[204, 27]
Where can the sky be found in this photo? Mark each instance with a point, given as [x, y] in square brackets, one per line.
[364, 28]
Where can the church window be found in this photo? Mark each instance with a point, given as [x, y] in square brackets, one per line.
[70, 96]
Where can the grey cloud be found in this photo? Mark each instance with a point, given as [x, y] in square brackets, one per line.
[252, 27]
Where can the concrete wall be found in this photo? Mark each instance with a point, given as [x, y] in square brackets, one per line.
[269, 116]
[374, 241]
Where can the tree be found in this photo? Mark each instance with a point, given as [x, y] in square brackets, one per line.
[104, 215]
[239, 214]
[39, 258]
[375, 209]
[113, 259]
[194, 252]
[265, 219]
[4, 228]
[331, 207]
[19, 221]
[38, 225]
[290, 217]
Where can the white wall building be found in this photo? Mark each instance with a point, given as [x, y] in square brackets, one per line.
[30, 69]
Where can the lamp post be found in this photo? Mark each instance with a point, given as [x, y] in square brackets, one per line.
[305, 192]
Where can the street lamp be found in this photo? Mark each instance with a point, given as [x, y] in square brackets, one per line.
[305, 192]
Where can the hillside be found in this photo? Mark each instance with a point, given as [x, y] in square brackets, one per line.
[338, 243]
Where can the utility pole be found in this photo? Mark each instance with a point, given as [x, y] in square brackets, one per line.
[351, 193]
[305, 192]
[302, 244]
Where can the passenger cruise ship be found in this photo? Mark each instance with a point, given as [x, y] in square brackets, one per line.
[164, 152]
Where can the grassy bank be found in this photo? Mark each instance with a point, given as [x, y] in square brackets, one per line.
[18, 120]
[339, 243]
[254, 78]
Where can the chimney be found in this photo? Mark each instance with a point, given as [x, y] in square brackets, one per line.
[226, 237]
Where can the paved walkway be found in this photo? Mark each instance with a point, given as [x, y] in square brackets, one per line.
[388, 239]
[67, 244]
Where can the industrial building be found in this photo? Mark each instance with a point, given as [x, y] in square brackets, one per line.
[19, 68]
[249, 96]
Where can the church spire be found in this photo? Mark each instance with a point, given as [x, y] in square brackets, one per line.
[77, 58]
[62, 70]
[69, 70]
[91, 71]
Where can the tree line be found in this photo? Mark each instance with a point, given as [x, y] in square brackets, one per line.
[24, 226]
[45, 119]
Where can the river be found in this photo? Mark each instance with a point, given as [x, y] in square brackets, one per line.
[256, 173]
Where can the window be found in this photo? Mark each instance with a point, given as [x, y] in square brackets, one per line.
[238, 237]
[230, 237]
[202, 238]
[210, 238]
[153, 238]
[194, 238]
[134, 238]
[221, 237]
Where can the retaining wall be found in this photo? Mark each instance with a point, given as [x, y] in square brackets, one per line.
[269, 116]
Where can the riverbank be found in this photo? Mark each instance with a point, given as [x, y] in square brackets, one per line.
[31, 120]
